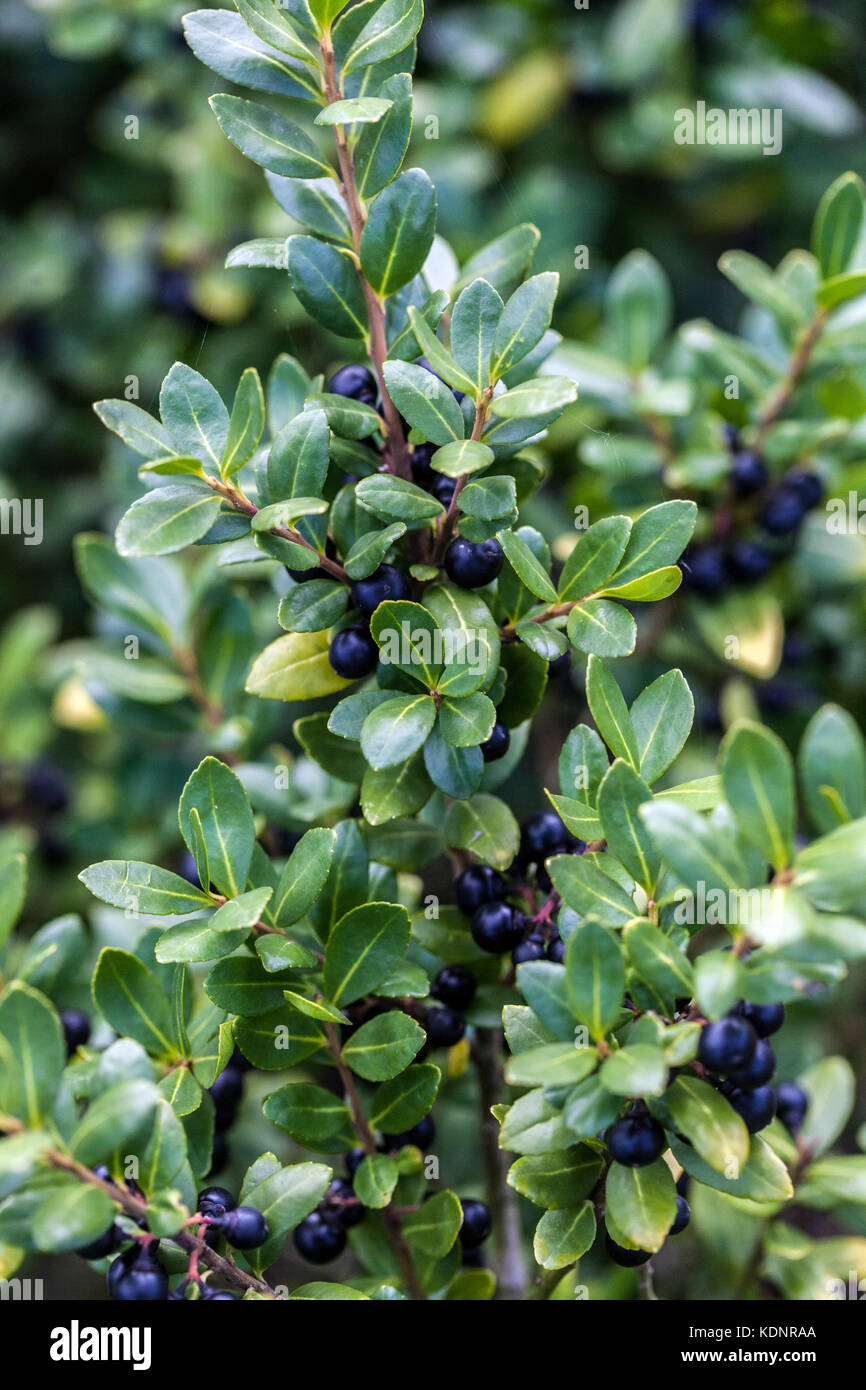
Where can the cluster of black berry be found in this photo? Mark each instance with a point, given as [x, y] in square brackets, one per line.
[36, 794]
[781, 508]
[321, 1236]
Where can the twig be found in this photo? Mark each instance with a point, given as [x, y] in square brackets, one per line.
[511, 1273]
[778, 401]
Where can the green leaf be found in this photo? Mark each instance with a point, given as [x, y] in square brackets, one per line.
[760, 284]
[462, 456]
[830, 1086]
[758, 779]
[532, 1125]
[72, 1217]
[391, 792]
[582, 764]
[314, 606]
[363, 948]
[830, 870]
[13, 885]
[268, 139]
[636, 1070]
[165, 1151]
[641, 1203]
[400, 1103]
[33, 1054]
[584, 887]
[658, 538]
[121, 1113]
[485, 825]
[468, 624]
[503, 260]
[436, 353]
[832, 759]
[763, 1177]
[660, 583]
[223, 42]
[315, 204]
[393, 731]
[326, 282]
[474, 319]
[241, 985]
[538, 396]
[561, 1237]
[131, 999]
[718, 982]
[391, 28]
[304, 876]
[294, 667]
[375, 1179]
[435, 1226]
[526, 566]
[662, 718]
[838, 289]
[369, 551]
[287, 513]
[245, 425]
[425, 401]
[226, 819]
[384, 1047]
[455, 771]
[198, 941]
[552, 1064]
[595, 976]
[284, 1198]
[620, 796]
[579, 818]
[608, 709]
[590, 1108]
[603, 628]
[165, 520]
[639, 308]
[143, 888]
[278, 1038]
[714, 1128]
[594, 558]
[838, 223]
[556, 1180]
[273, 23]
[298, 458]
[542, 984]
[136, 428]
[193, 413]
[490, 498]
[388, 497]
[353, 111]
[524, 322]
[467, 722]
[656, 960]
[381, 147]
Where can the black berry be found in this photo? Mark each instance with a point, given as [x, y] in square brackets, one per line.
[791, 1105]
[476, 885]
[748, 473]
[76, 1029]
[682, 1218]
[476, 1223]
[749, 561]
[215, 1201]
[319, 1238]
[705, 570]
[756, 1108]
[497, 927]
[340, 1200]
[807, 486]
[635, 1140]
[137, 1276]
[353, 653]
[532, 947]
[541, 835]
[386, 583]
[759, 1068]
[244, 1227]
[444, 1027]
[356, 382]
[496, 746]
[556, 950]
[104, 1245]
[472, 564]
[766, 1019]
[629, 1259]
[455, 985]
[727, 1045]
[783, 512]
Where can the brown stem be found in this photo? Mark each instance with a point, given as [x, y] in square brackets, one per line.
[449, 521]
[186, 661]
[510, 1270]
[136, 1208]
[240, 503]
[361, 1124]
[778, 401]
[396, 448]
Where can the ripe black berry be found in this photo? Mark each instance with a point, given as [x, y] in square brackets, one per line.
[455, 985]
[137, 1276]
[226, 1093]
[629, 1259]
[682, 1218]
[356, 382]
[76, 1029]
[476, 1223]
[421, 1135]
[443, 489]
[422, 474]
[340, 1201]
[766, 1019]
[497, 927]
[807, 486]
[244, 1227]
[783, 512]
[532, 948]
[444, 1027]
[635, 1140]
[756, 1108]
[758, 1069]
[386, 583]
[319, 1238]
[791, 1105]
[556, 950]
[559, 666]
[541, 835]
[749, 561]
[472, 564]
[727, 1045]
[705, 570]
[353, 653]
[215, 1201]
[496, 746]
[218, 1295]
[476, 885]
[748, 473]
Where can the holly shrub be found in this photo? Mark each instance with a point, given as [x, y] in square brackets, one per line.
[364, 920]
